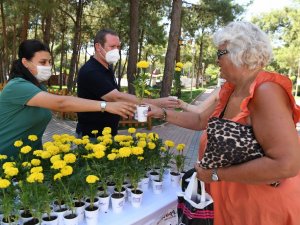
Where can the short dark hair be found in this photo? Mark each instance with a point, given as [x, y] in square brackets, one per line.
[101, 34]
[27, 49]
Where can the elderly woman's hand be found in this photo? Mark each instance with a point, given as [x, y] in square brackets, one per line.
[155, 112]
[203, 174]
[167, 102]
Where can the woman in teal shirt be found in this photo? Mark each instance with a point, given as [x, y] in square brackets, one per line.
[25, 105]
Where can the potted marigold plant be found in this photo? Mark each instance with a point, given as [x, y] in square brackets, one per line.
[177, 82]
[7, 190]
[140, 86]
[91, 211]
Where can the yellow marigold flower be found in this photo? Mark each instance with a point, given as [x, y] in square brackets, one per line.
[179, 64]
[91, 179]
[119, 138]
[37, 169]
[180, 147]
[107, 141]
[85, 137]
[26, 164]
[124, 152]
[95, 132]
[142, 64]
[147, 92]
[77, 141]
[56, 137]
[98, 147]
[37, 153]
[178, 69]
[47, 144]
[32, 137]
[45, 155]
[153, 136]
[36, 162]
[85, 141]
[99, 154]
[53, 149]
[26, 149]
[18, 143]
[11, 171]
[70, 158]
[169, 143]
[58, 164]
[4, 183]
[57, 176]
[8, 165]
[3, 157]
[106, 130]
[125, 143]
[142, 144]
[138, 135]
[55, 158]
[131, 130]
[111, 156]
[151, 145]
[99, 138]
[35, 177]
[163, 149]
[137, 150]
[140, 158]
[66, 171]
[65, 147]
[89, 146]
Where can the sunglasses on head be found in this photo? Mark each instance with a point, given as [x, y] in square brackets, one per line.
[222, 52]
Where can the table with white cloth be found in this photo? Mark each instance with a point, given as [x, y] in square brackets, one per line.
[155, 209]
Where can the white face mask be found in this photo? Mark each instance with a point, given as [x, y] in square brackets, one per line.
[43, 73]
[112, 56]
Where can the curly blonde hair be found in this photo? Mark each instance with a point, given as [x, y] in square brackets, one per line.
[246, 43]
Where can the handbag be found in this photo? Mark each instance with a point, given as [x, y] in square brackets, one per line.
[195, 208]
[229, 143]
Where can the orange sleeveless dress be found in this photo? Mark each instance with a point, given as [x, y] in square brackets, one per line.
[243, 204]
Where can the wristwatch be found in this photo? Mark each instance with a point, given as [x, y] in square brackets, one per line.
[214, 175]
[103, 106]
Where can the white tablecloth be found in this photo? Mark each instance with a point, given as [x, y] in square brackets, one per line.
[154, 207]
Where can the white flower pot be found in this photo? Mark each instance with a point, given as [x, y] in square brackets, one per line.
[53, 220]
[104, 203]
[117, 201]
[157, 186]
[111, 187]
[145, 183]
[71, 219]
[96, 202]
[60, 215]
[13, 222]
[91, 215]
[175, 179]
[128, 189]
[25, 217]
[79, 209]
[136, 198]
[142, 111]
[32, 221]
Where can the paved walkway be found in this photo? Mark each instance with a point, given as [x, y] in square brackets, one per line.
[166, 131]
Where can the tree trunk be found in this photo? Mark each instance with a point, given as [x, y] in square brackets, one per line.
[133, 44]
[200, 64]
[141, 45]
[61, 77]
[75, 44]
[172, 47]
[47, 28]
[4, 63]
[25, 20]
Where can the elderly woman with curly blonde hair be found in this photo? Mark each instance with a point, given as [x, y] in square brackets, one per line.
[264, 190]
